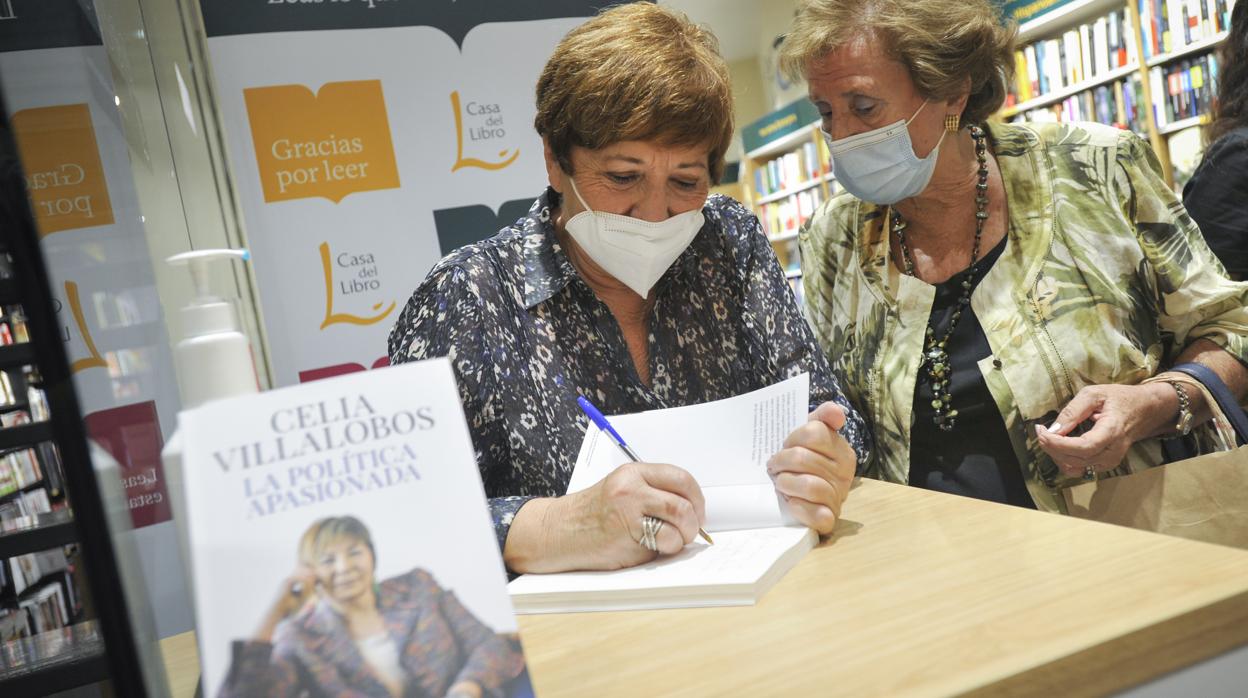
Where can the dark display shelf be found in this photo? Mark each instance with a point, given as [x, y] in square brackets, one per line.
[53, 661]
[25, 435]
[14, 494]
[9, 292]
[16, 354]
[37, 533]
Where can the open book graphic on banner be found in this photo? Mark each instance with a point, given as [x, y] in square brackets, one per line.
[340, 543]
[725, 445]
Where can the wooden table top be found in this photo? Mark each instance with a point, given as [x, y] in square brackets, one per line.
[916, 593]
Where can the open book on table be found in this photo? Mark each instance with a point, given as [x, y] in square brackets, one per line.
[725, 446]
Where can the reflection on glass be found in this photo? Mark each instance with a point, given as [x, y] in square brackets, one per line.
[67, 119]
[71, 648]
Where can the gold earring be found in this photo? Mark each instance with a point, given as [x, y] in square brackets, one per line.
[951, 122]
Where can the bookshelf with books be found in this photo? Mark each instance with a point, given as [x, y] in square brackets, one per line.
[1179, 38]
[787, 175]
[41, 599]
[1143, 65]
[1072, 60]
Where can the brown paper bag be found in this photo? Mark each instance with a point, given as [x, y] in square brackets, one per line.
[1203, 498]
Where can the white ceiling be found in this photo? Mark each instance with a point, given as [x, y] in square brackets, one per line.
[735, 22]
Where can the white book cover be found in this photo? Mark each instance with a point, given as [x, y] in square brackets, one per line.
[1074, 57]
[1100, 38]
[725, 446]
[1158, 88]
[1087, 50]
[341, 542]
[1053, 65]
[1174, 12]
[1128, 40]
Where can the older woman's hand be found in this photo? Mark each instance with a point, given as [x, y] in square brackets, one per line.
[600, 528]
[814, 470]
[295, 592]
[608, 515]
[1120, 416]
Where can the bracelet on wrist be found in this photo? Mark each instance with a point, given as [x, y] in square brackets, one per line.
[1183, 425]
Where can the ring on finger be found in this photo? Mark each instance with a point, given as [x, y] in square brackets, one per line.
[650, 533]
[1089, 472]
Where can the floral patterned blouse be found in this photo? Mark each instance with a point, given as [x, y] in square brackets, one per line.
[526, 335]
[1104, 279]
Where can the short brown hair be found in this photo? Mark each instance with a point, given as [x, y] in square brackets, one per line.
[636, 72]
[329, 530]
[941, 42]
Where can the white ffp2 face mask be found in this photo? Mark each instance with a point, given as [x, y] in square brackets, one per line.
[880, 166]
[635, 252]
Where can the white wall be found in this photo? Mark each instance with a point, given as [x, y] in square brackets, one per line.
[774, 21]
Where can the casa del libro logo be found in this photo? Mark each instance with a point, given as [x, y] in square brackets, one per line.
[480, 131]
[329, 144]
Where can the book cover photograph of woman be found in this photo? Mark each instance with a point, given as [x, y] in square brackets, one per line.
[336, 629]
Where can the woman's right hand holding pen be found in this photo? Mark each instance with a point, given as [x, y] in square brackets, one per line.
[600, 528]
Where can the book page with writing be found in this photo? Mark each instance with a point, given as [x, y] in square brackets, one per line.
[724, 444]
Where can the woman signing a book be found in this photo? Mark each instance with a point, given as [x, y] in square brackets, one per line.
[334, 630]
[628, 285]
[1000, 298]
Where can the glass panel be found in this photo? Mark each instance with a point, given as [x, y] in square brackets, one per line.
[82, 100]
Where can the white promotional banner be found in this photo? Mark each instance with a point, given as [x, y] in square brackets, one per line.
[64, 113]
[369, 138]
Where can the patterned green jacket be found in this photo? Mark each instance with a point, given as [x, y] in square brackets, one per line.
[1104, 278]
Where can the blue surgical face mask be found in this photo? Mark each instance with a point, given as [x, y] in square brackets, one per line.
[880, 166]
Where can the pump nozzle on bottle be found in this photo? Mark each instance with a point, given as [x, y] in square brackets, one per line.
[213, 359]
[198, 261]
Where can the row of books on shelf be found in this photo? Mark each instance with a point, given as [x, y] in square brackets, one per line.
[21, 511]
[1172, 25]
[13, 329]
[25, 571]
[790, 213]
[19, 469]
[45, 610]
[1184, 89]
[792, 169]
[30, 397]
[1082, 53]
[1180, 90]
[1117, 104]
[44, 598]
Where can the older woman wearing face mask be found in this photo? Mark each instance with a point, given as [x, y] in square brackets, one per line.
[627, 284]
[996, 295]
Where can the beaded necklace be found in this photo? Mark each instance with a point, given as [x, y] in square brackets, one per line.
[935, 358]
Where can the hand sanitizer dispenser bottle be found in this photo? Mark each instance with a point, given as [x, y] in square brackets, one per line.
[213, 361]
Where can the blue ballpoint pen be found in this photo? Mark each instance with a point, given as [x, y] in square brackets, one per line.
[596, 417]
